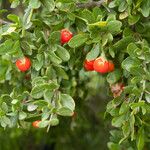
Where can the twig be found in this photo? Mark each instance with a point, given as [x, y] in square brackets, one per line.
[52, 101]
[90, 4]
[4, 22]
[49, 123]
[144, 83]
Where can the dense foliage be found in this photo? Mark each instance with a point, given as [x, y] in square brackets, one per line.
[42, 75]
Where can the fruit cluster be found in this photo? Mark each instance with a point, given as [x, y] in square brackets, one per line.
[100, 65]
[24, 63]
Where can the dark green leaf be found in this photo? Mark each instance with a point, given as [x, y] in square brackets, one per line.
[78, 40]
[54, 58]
[114, 76]
[62, 53]
[93, 54]
[49, 4]
[61, 73]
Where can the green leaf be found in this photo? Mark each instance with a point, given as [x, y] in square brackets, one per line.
[4, 107]
[31, 107]
[27, 18]
[5, 120]
[114, 76]
[38, 91]
[123, 6]
[133, 19]
[54, 58]
[67, 101]
[34, 4]
[118, 121]
[38, 63]
[99, 24]
[141, 140]
[40, 103]
[48, 94]
[126, 129]
[88, 16]
[67, 105]
[64, 111]
[54, 120]
[132, 122]
[124, 108]
[145, 8]
[43, 124]
[94, 52]
[135, 105]
[6, 47]
[113, 146]
[15, 3]
[38, 80]
[112, 4]
[78, 40]
[132, 49]
[54, 37]
[137, 70]
[123, 43]
[49, 4]
[114, 112]
[61, 73]
[147, 97]
[114, 26]
[22, 115]
[14, 18]
[128, 63]
[62, 53]
[8, 30]
[14, 101]
[107, 37]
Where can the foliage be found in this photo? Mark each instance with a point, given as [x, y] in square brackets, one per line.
[117, 30]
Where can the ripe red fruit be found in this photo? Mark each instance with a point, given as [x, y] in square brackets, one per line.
[88, 65]
[101, 65]
[35, 123]
[111, 66]
[66, 35]
[23, 64]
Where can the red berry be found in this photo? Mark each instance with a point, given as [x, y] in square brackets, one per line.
[88, 65]
[23, 64]
[111, 66]
[66, 35]
[35, 123]
[101, 65]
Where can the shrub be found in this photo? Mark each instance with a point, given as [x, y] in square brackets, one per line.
[117, 31]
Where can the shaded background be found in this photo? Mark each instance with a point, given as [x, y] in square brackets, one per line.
[87, 130]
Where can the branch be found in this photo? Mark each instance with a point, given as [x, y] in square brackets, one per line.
[90, 4]
[4, 22]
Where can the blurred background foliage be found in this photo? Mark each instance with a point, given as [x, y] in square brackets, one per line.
[87, 129]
